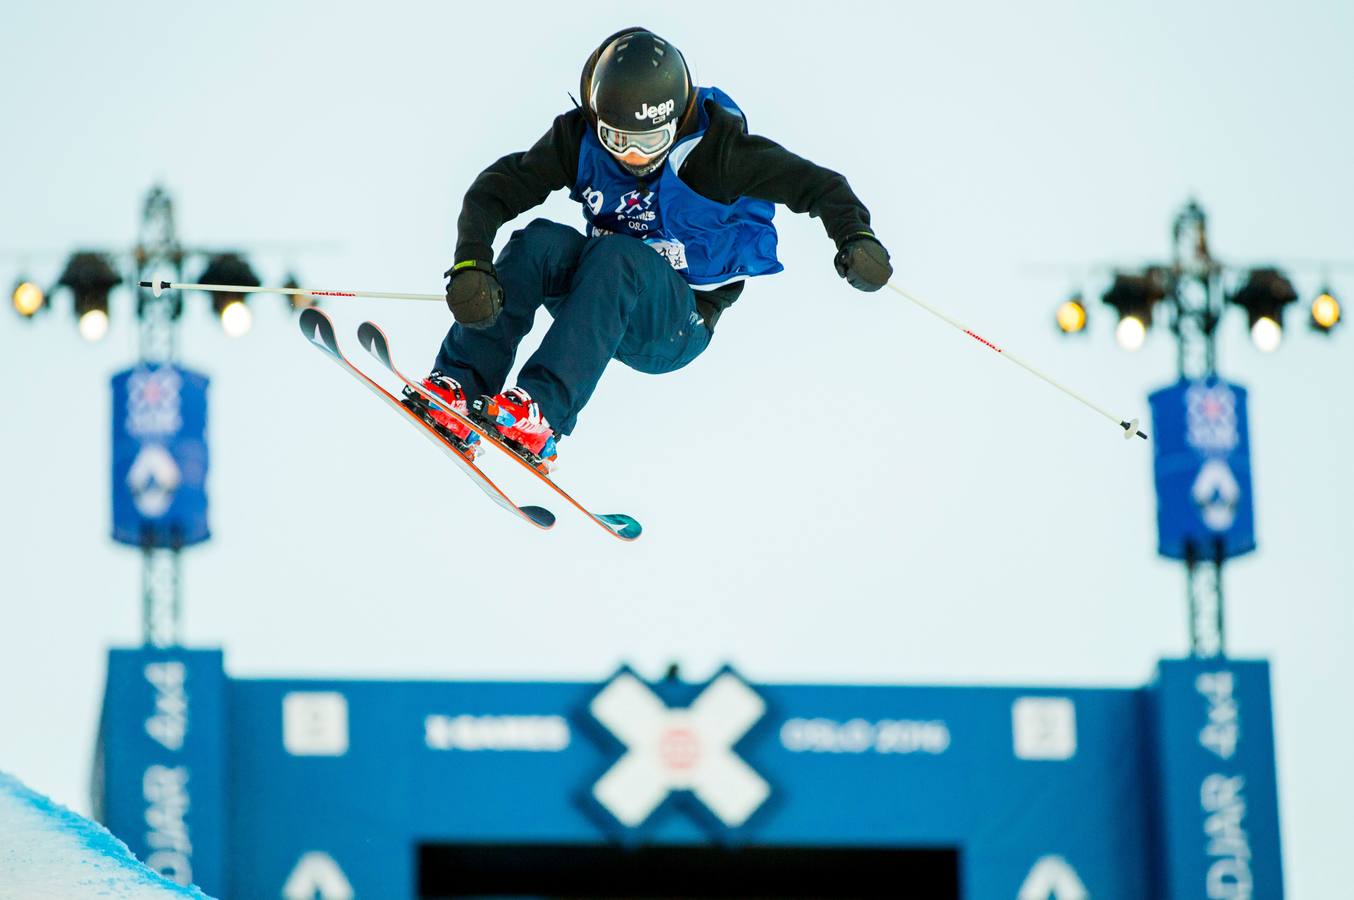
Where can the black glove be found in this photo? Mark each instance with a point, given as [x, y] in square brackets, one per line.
[863, 262]
[473, 294]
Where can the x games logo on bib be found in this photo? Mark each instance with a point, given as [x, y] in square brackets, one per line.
[636, 205]
[636, 211]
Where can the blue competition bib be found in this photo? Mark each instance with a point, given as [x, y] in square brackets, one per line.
[709, 244]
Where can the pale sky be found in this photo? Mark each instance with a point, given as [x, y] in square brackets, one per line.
[969, 525]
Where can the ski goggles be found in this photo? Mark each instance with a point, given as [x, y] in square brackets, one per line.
[647, 143]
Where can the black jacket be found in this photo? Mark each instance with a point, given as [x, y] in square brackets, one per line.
[727, 164]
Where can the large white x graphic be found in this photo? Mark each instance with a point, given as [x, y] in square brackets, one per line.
[679, 749]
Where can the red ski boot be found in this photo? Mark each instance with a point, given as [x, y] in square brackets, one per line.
[518, 418]
[450, 392]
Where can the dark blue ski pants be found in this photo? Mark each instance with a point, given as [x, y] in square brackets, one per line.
[610, 296]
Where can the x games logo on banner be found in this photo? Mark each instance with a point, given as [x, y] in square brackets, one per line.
[670, 752]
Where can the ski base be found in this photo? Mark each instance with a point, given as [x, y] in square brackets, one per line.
[619, 525]
[318, 329]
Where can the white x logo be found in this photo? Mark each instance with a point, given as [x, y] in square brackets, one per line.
[679, 749]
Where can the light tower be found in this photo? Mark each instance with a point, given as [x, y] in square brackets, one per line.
[1201, 444]
[159, 408]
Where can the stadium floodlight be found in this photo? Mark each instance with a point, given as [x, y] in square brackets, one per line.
[1133, 297]
[236, 318]
[1266, 334]
[1264, 295]
[27, 298]
[1325, 311]
[1071, 315]
[231, 268]
[90, 276]
[1131, 332]
[93, 324]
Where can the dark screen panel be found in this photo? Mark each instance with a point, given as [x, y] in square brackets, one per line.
[605, 873]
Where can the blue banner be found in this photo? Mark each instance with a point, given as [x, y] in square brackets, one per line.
[362, 788]
[1219, 826]
[159, 457]
[163, 765]
[1202, 462]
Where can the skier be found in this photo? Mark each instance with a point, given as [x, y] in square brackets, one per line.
[678, 199]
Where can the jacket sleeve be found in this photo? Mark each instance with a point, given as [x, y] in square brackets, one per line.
[737, 164]
[516, 183]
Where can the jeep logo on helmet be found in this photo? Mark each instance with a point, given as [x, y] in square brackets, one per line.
[654, 113]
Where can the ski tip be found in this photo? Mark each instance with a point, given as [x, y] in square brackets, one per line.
[625, 527]
[540, 516]
[373, 340]
[318, 329]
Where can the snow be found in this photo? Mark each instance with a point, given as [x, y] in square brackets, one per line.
[47, 851]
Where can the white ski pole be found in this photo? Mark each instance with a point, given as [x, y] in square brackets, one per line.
[1130, 427]
[157, 287]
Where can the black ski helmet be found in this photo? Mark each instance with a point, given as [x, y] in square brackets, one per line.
[636, 82]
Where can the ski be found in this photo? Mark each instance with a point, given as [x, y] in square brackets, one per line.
[318, 330]
[618, 525]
